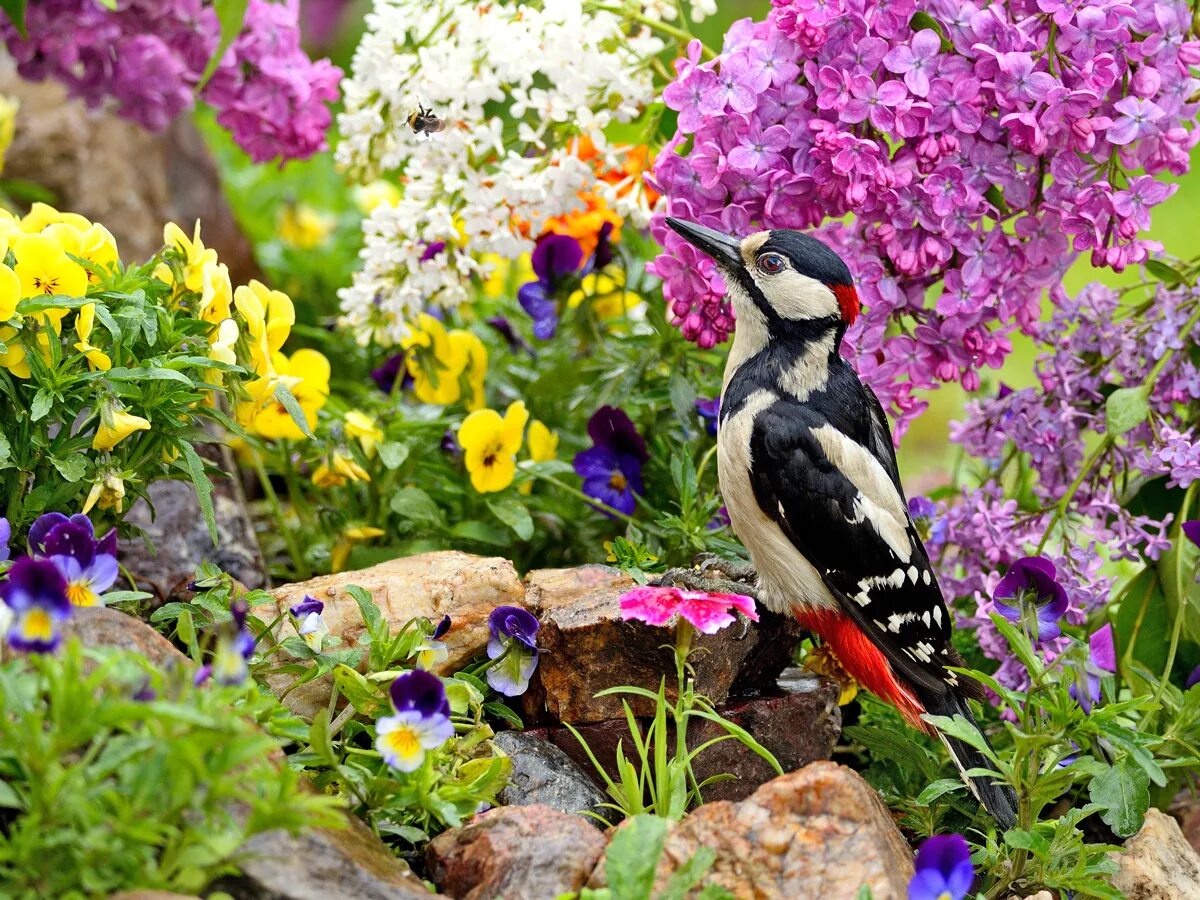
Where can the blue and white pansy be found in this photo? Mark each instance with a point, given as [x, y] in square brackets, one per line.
[420, 723]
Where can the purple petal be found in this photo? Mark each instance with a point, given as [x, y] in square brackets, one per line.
[41, 527]
[611, 427]
[515, 623]
[306, 606]
[556, 255]
[441, 628]
[1191, 531]
[1102, 649]
[422, 692]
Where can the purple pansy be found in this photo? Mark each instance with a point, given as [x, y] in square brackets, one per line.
[1102, 660]
[1191, 530]
[554, 257]
[432, 650]
[235, 646]
[710, 411]
[36, 593]
[1193, 679]
[88, 565]
[1035, 579]
[943, 869]
[309, 622]
[514, 637]
[421, 721]
[611, 469]
[5, 537]
[385, 376]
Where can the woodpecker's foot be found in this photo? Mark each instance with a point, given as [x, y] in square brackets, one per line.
[699, 580]
[734, 570]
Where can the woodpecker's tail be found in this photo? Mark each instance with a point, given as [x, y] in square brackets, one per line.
[997, 798]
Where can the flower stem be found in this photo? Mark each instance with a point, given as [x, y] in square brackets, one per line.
[1181, 602]
[679, 34]
[592, 501]
[299, 563]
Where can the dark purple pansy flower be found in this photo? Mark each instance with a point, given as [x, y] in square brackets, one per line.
[421, 692]
[921, 508]
[720, 519]
[1102, 660]
[943, 869]
[421, 721]
[603, 254]
[36, 593]
[505, 329]
[514, 637]
[612, 469]
[5, 537]
[1033, 579]
[306, 606]
[1191, 530]
[449, 443]
[88, 565]
[554, 257]
[385, 376]
[235, 645]
[709, 411]
[145, 693]
[441, 628]
[432, 249]
[1193, 679]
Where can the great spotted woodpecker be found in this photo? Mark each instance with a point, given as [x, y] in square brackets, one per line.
[808, 473]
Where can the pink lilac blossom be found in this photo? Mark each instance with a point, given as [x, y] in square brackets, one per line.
[148, 56]
[967, 171]
[1094, 343]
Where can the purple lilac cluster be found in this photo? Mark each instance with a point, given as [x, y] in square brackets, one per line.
[970, 150]
[149, 56]
[1093, 343]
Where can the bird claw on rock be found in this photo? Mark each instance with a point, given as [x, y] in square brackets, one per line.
[733, 570]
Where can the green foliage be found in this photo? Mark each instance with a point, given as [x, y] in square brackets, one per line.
[101, 791]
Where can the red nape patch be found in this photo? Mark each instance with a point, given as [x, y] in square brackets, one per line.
[864, 661]
[848, 302]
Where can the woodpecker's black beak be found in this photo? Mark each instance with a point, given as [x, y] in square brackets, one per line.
[724, 249]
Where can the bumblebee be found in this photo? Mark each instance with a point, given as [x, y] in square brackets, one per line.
[424, 123]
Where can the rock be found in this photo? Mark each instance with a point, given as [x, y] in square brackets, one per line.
[820, 832]
[1186, 810]
[465, 587]
[180, 537]
[1158, 863]
[322, 864]
[798, 728]
[515, 852]
[99, 626]
[543, 774]
[587, 647]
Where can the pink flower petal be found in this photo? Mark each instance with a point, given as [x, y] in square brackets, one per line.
[652, 605]
[709, 612]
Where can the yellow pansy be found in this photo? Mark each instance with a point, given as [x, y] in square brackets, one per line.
[476, 368]
[606, 292]
[8, 124]
[44, 268]
[269, 319]
[351, 536]
[222, 340]
[303, 227]
[216, 293]
[364, 429]
[543, 446]
[116, 425]
[439, 360]
[306, 375]
[490, 444]
[340, 468]
[95, 244]
[13, 358]
[106, 493]
[369, 196]
[10, 293]
[41, 215]
[84, 322]
[196, 257]
[822, 661]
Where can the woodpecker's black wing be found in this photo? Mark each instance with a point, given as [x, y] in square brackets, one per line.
[880, 439]
[842, 508]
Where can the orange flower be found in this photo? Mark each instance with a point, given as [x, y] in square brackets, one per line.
[584, 224]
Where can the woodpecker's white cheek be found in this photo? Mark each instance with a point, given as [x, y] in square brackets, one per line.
[795, 296]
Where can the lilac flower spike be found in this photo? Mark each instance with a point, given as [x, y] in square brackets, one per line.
[1033, 578]
[421, 721]
[36, 593]
[921, 508]
[513, 636]
[943, 869]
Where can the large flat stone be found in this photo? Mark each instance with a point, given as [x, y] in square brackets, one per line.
[99, 626]
[1158, 863]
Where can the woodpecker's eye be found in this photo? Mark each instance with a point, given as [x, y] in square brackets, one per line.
[771, 263]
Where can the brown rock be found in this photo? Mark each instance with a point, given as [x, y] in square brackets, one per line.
[1186, 810]
[180, 537]
[1158, 863]
[465, 587]
[587, 647]
[322, 864]
[820, 832]
[797, 728]
[515, 852]
[99, 626]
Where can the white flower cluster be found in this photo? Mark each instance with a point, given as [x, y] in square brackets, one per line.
[669, 10]
[513, 83]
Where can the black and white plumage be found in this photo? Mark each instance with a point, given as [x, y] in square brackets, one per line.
[808, 473]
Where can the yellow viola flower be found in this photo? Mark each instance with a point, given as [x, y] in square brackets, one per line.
[216, 293]
[196, 257]
[10, 293]
[364, 429]
[351, 536]
[468, 343]
[377, 193]
[434, 361]
[606, 292]
[269, 319]
[338, 470]
[44, 268]
[8, 124]
[14, 358]
[496, 279]
[303, 227]
[116, 425]
[221, 342]
[306, 375]
[822, 661]
[42, 215]
[84, 322]
[490, 444]
[95, 244]
[106, 493]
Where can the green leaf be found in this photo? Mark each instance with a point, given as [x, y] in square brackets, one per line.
[632, 857]
[501, 711]
[414, 504]
[939, 788]
[1125, 409]
[1165, 272]
[371, 615]
[683, 400]
[354, 686]
[143, 373]
[1142, 624]
[481, 532]
[204, 487]
[9, 798]
[513, 513]
[393, 454]
[288, 399]
[15, 10]
[72, 468]
[1124, 793]
[319, 740]
[43, 302]
[962, 729]
[688, 875]
[1020, 839]
[42, 401]
[231, 14]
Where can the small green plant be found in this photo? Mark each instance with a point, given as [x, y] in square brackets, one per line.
[114, 776]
